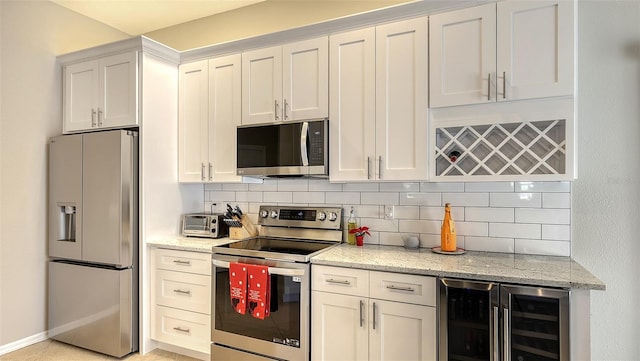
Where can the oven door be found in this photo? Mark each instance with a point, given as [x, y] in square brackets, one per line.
[284, 334]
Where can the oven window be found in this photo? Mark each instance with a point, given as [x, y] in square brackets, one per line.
[195, 223]
[281, 326]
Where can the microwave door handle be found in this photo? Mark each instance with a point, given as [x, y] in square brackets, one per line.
[272, 270]
[303, 144]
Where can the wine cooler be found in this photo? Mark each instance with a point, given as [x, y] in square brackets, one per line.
[499, 322]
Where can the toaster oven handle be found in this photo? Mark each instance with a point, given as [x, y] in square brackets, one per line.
[304, 154]
[272, 270]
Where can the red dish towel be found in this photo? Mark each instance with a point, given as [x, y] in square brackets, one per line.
[259, 291]
[238, 286]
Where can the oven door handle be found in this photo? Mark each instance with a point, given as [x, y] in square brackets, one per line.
[272, 270]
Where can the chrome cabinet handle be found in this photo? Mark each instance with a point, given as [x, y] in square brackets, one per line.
[374, 315]
[304, 154]
[379, 167]
[505, 334]
[202, 171]
[275, 109]
[489, 88]
[496, 348]
[100, 117]
[93, 117]
[394, 287]
[368, 167]
[187, 292]
[361, 313]
[504, 85]
[341, 282]
[181, 262]
[284, 109]
[210, 171]
[180, 329]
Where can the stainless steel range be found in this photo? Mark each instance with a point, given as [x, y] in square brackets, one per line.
[289, 237]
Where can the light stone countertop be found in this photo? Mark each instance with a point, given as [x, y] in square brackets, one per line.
[194, 244]
[533, 270]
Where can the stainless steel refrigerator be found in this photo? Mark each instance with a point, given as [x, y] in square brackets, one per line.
[93, 241]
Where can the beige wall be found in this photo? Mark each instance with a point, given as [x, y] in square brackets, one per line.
[32, 34]
[262, 18]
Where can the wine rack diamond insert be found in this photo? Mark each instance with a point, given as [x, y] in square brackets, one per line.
[510, 149]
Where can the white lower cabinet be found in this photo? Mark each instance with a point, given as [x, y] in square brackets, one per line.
[181, 299]
[369, 315]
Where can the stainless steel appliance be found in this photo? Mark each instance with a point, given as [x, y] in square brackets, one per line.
[285, 149]
[491, 321]
[290, 236]
[93, 241]
[204, 225]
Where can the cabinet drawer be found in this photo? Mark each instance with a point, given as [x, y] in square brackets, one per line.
[181, 261]
[183, 290]
[420, 290]
[346, 281]
[182, 328]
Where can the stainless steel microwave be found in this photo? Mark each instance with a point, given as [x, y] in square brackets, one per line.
[285, 149]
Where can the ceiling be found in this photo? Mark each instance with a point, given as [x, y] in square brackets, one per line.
[136, 17]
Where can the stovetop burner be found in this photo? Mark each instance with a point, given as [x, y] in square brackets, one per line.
[274, 248]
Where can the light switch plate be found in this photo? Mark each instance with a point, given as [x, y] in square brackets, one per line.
[388, 212]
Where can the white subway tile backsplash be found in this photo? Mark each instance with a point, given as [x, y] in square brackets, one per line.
[543, 216]
[380, 198]
[308, 197]
[510, 217]
[516, 200]
[475, 214]
[442, 187]
[420, 199]
[466, 199]
[489, 187]
[400, 187]
[543, 186]
[342, 197]
[293, 185]
[556, 232]
[515, 230]
[437, 213]
[277, 197]
[479, 229]
[490, 244]
[547, 248]
[556, 200]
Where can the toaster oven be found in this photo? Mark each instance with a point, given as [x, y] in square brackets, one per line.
[204, 225]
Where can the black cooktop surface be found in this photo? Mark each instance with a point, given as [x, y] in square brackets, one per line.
[293, 249]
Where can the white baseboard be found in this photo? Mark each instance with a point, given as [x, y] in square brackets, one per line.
[183, 351]
[27, 341]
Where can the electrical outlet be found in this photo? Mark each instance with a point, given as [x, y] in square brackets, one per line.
[388, 212]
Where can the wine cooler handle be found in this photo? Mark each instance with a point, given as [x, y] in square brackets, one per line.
[496, 348]
[505, 334]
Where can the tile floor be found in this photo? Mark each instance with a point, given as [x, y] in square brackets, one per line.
[51, 350]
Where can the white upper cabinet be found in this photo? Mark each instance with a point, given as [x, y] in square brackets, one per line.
[285, 83]
[209, 112]
[101, 93]
[378, 122]
[506, 51]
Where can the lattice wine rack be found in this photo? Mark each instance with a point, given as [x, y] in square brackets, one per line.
[506, 149]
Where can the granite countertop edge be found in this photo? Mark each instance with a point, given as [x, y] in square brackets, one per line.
[192, 244]
[532, 270]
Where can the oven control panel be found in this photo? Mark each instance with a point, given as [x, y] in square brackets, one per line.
[304, 217]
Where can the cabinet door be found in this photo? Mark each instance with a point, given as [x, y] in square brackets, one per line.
[352, 106]
[401, 100]
[462, 61]
[401, 331]
[224, 117]
[193, 121]
[80, 96]
[339, 329]
[118, 90]
[535, 49]
[262, 85]
[305, 82]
